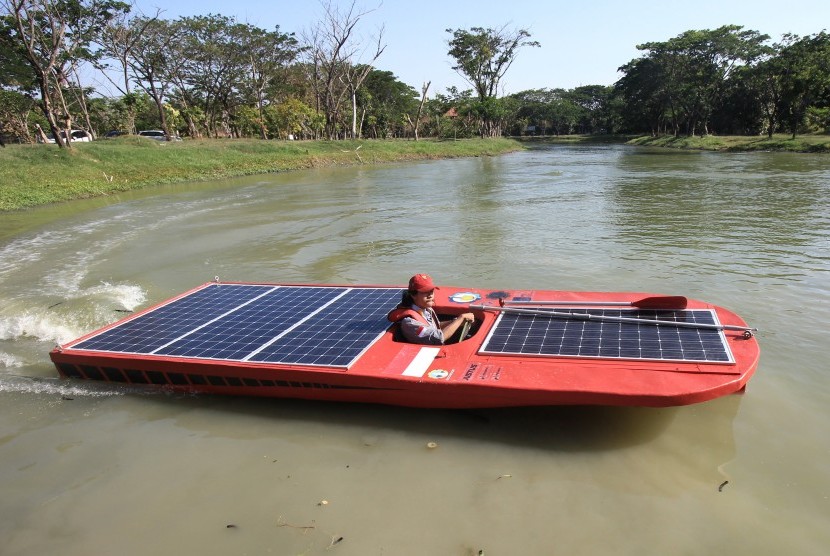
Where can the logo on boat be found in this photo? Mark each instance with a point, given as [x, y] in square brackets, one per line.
[438, 374]
[470, 370]
[465, 297]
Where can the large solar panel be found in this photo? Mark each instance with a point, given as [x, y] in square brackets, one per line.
[336, 335]
[544, 335]
[305, 325]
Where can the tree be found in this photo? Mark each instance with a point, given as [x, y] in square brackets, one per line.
[118, 39]
[268, 54]
[15, 111]
[216, 75]
[482, 57]
[561, 112]
[150, 63]
[801, 71]
[449, 114]
[643, 89]
[490, 113]
[53, 37]
[749, 105]
[416, 124]
[214, 64]
[692, 70]
[293, 117]
[385, 103]
[337, 73]
[593, 102]
[15, 72]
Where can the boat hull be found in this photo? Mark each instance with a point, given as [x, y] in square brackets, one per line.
[457, 375]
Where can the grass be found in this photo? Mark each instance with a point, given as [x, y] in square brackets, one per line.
[32, 175]
[802, 143]
[598, 139]
[737, 143]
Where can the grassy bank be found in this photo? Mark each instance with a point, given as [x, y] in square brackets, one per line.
[802, 143]
[32, 175]
[735, 143]
[607, 138]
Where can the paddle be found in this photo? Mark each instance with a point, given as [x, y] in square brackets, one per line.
[465, 328]
[656, 302]
[586, 316]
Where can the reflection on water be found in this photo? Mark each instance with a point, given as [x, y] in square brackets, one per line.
[91, 469]
[750, 210]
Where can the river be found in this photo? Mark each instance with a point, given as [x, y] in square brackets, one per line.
[93, 469]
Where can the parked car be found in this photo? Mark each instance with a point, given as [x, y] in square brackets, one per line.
[77, 136]
[115, 133]
[158, 135]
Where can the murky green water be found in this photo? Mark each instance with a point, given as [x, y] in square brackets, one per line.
[88, 469]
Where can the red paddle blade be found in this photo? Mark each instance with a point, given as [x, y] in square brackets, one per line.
[661, 302]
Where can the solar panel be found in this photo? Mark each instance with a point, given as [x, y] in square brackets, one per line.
[171, 321]
[326, 326]
[523, 334]
[251, 325]
[338, 333]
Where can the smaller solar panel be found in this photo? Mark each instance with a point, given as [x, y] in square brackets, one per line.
[523, 334]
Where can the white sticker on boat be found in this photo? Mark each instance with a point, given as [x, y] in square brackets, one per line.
[421, 362]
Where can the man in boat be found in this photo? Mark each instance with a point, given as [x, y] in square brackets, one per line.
[417, 319]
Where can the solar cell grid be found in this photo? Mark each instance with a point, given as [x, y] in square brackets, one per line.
[337, 334]
[160, 326]
[242, 332]
[523, 334]
[327, 326]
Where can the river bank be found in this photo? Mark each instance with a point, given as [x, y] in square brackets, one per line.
[36, 175]
[727, 143]
[33, 175]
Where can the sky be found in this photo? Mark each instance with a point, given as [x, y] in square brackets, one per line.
[583, 42]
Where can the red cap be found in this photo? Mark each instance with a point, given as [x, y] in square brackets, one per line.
[421, 283]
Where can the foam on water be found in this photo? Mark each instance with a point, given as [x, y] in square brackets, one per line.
[8, 360]
[58, 387]
[75, 314]
[50, 295]
[33, 323]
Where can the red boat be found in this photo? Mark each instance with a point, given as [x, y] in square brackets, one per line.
[328, 342]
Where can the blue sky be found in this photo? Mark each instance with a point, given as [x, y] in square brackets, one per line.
[582, 42]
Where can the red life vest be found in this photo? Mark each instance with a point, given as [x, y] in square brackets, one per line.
[400, 313]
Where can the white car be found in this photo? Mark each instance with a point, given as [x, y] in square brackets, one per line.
[157, 134]
[78, 136]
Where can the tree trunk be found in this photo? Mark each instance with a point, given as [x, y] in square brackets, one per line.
[48, 113]
[263, 131]
[157, 98]
[40, 133]
[260, 97]
[354, 114]
[81, 98]
[424, 90]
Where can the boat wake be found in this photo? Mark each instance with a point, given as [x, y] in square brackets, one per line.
[30, 327]
[7, 360]
[57, 387]
[63, 318]
[48, 296]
